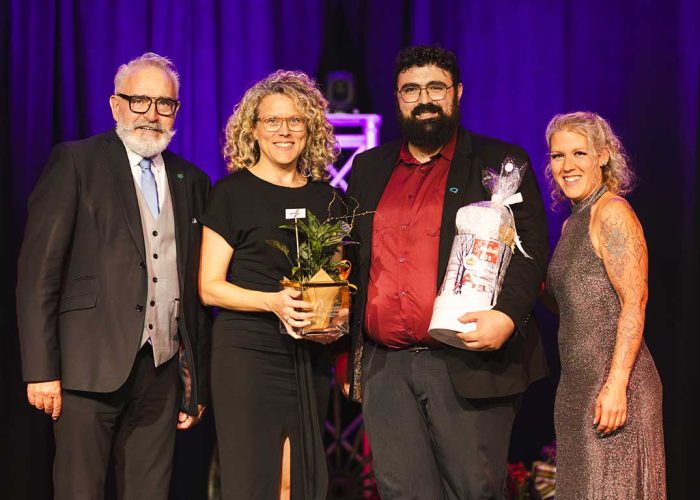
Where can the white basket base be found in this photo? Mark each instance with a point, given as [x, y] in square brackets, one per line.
[444, 325]
[449, 337]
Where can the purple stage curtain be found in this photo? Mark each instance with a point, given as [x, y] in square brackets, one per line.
[635, 62]
[64, 55]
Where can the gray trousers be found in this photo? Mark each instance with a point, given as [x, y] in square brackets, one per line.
[427, 442]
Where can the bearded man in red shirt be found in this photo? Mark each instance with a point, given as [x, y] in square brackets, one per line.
[438, 418]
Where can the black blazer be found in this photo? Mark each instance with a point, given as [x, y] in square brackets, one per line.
[82, 281]
[521, 360]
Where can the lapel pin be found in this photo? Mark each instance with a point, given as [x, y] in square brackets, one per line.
[180, 175]
[454, 190]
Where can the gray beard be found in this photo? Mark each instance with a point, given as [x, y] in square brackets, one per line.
[143, 147]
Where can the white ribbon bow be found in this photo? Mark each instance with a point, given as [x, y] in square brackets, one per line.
[512, 200]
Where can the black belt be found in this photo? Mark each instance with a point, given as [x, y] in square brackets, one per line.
[420, 348]
[413, 348]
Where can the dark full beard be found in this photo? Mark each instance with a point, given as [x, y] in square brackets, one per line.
[429, 134]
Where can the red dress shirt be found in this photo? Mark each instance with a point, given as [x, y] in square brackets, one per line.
[405, 244]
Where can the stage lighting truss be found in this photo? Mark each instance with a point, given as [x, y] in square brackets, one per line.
[350, 468]
[358, 142]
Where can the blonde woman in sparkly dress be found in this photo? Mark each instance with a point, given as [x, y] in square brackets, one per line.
[608, 406]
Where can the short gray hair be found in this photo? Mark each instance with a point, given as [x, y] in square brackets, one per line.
[147, 59]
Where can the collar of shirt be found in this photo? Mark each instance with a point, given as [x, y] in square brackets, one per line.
[157, 166]
[157, 163]
[447, 152]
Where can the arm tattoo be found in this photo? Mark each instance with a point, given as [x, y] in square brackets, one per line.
[625, 257]
[615, 242]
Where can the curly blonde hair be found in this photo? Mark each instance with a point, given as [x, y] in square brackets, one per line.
[618, 175]
[241, 150]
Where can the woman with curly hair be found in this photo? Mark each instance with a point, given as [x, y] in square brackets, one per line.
[269, 391]
[608, 407]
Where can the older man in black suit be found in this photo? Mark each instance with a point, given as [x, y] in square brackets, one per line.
[115, 344]
[438, 418]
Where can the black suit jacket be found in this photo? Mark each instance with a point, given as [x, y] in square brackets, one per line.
[521, 360]
[82, 280]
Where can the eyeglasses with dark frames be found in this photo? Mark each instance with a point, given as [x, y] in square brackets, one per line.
[436, 91]
[140, 104]
[274, 123]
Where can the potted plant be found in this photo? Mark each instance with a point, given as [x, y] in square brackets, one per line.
[318, 271]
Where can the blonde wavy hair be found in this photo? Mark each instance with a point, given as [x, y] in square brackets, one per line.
[618, 175]
[241, 150]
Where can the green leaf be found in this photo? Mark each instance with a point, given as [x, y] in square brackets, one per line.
[318, 242]
[279, 246]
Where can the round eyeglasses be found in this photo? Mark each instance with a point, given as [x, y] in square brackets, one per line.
[274, 123]
[140, 104]
[436, 91]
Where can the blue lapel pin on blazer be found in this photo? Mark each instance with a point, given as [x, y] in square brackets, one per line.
[180, 175]
[454, 190]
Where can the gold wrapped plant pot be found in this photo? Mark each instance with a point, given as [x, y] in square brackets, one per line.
[330, 303]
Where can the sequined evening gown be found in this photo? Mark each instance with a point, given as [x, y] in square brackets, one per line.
[629, 464]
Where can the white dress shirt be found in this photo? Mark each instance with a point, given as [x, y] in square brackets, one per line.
[157, 167]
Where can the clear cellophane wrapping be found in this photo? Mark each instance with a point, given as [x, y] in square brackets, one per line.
[481, 251]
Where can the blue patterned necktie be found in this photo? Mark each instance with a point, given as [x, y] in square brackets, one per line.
[148, 186]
